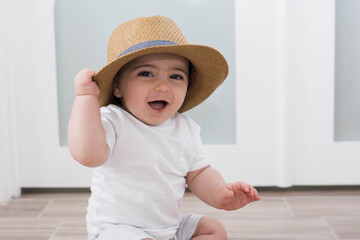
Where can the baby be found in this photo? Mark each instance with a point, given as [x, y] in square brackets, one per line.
[126, 121]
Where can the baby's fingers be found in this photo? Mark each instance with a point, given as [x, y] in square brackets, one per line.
[253, 194]
[228, 191]
[84, 76]
[242, 187]
[256, 195]
[249, 190]
[83, 83]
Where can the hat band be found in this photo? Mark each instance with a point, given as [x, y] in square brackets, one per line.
[146, 45]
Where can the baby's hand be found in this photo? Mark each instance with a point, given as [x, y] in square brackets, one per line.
[236, 195]
[84, 85]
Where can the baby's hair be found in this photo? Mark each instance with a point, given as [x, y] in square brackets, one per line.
[117, 101]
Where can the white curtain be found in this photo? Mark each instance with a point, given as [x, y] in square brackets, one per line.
[9, 175]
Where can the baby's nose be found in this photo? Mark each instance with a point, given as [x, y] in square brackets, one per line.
[162, 85]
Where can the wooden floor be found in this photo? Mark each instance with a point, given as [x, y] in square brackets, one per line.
[299, 214]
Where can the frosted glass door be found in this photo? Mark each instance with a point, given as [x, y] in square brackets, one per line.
[347, 71]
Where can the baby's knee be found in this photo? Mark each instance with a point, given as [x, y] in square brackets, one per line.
[212, 227]
[219, 229]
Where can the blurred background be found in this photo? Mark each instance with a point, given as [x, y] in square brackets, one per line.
[287, 115]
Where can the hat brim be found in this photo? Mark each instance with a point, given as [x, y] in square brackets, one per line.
[209, 71]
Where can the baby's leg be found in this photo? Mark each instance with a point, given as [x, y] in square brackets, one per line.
[209, 228]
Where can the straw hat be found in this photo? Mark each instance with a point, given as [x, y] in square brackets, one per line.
[158, 34]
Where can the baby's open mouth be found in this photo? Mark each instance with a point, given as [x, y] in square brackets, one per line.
[158, 105]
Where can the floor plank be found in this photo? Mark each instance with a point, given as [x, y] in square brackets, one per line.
[345, 227]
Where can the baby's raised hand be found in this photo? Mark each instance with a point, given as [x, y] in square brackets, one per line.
[84, 85]
[236, 195]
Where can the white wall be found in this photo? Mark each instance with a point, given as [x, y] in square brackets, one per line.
[9, 165]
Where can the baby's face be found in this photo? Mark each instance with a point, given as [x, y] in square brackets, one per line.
[153, 87]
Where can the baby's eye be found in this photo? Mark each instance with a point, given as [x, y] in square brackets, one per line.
[177, 77]
[145, 74]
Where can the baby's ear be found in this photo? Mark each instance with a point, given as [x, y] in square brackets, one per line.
[117, 92]
[115, 87]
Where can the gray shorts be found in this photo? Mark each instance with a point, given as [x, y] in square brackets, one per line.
[185, 231]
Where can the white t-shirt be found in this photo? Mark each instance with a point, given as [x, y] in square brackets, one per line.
[143, 181]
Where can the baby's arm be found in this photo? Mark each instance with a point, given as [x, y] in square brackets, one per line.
[86, 135]
[208, 185]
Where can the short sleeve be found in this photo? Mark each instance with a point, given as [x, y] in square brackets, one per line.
[201, 158]
[107, 122]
